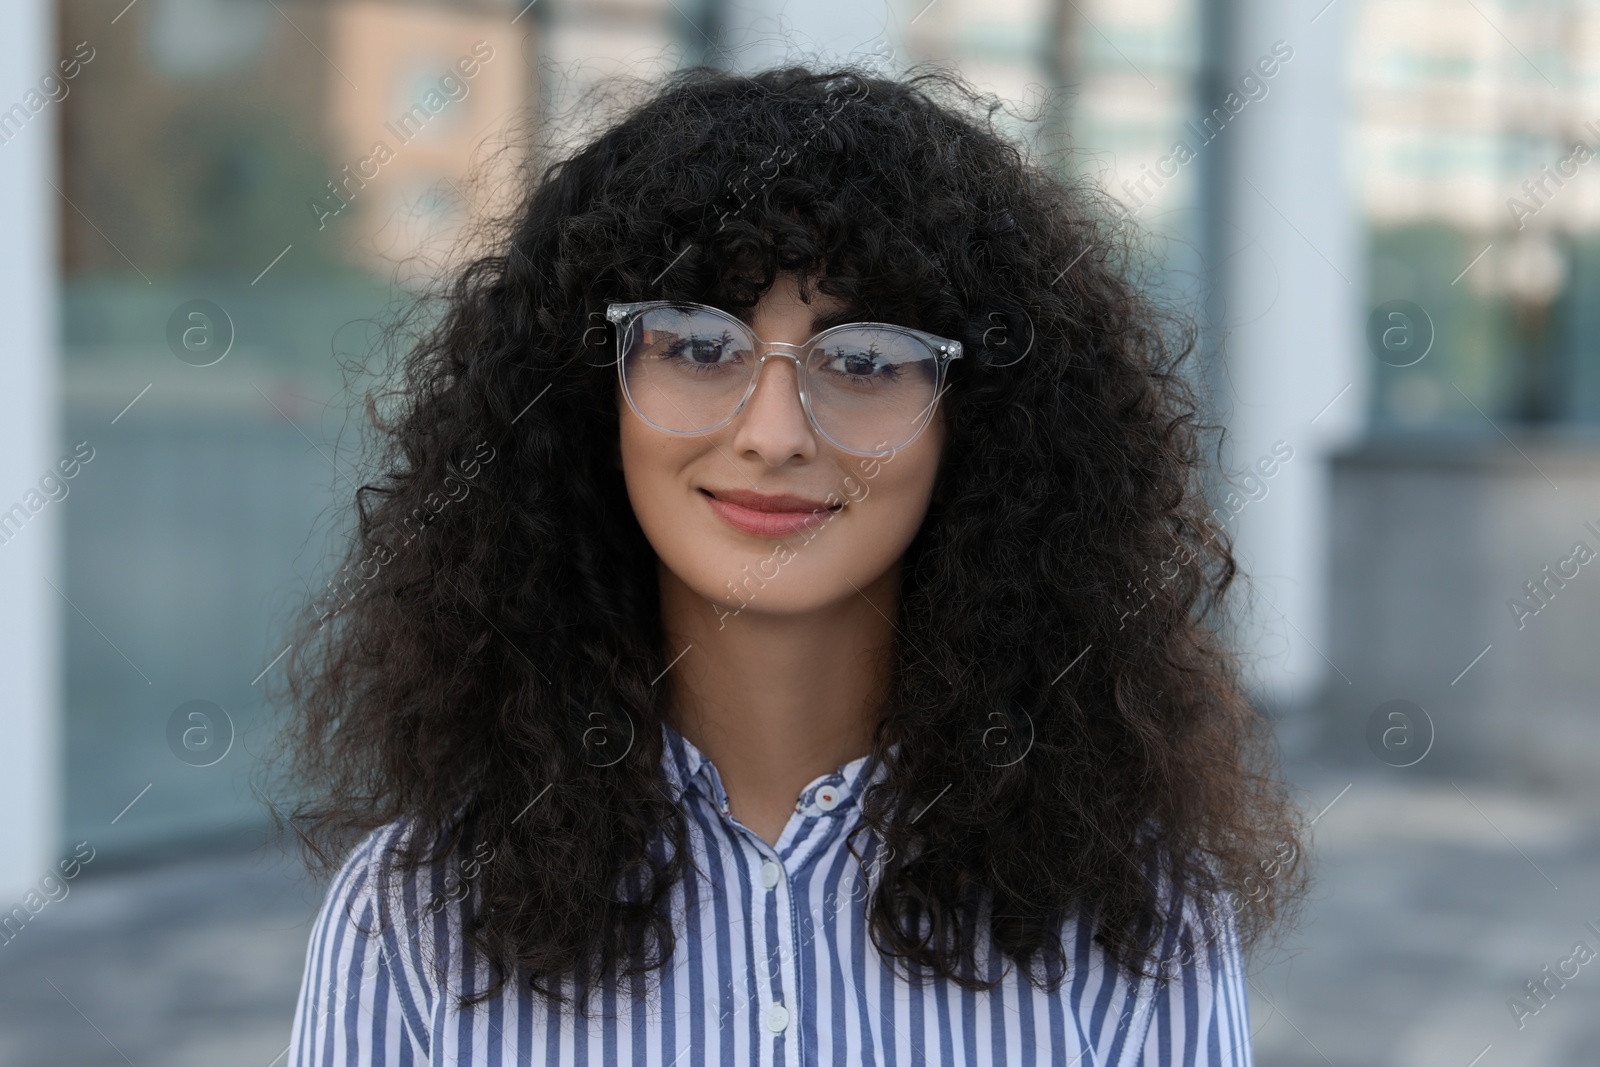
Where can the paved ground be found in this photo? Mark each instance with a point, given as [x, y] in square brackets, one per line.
[1436, 902]
[1434, 905]
[193, 962]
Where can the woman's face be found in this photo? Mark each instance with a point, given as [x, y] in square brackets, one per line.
[740, 561]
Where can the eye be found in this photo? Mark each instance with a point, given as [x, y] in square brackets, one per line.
[699, 350]
[854, 361]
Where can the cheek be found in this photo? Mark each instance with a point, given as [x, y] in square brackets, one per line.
[647, 473]
[891, 498]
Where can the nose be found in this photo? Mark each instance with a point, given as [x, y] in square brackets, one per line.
[773, 423]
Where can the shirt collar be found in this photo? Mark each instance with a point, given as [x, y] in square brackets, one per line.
[680, 760]
[686, 767]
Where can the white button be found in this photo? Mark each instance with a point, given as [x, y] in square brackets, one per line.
[777, 1018]
[828, 797]
[769, 874]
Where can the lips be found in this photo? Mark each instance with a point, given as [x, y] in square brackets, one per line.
[773, 503]
[769, 516]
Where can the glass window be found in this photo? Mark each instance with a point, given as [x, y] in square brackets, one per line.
[1475, 133]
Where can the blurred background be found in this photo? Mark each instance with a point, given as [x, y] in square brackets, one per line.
[1384, 212]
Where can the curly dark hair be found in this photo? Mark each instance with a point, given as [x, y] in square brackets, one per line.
[1065, 584]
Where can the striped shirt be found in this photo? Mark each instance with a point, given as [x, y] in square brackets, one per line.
[773, 967]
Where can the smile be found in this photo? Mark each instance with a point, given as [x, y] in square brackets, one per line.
[769, 516]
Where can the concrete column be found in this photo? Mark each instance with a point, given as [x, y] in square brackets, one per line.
[30, 549]
[1286, 255]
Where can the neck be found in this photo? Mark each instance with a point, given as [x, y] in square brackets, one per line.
[777, 700]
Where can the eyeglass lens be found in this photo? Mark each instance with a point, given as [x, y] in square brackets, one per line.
[870, 388]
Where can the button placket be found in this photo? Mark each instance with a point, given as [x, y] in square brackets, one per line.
[786, 997]
[772, 961]
[780, 964]
[780, 998]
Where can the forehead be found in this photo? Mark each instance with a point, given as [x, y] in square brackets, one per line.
[812, 319]
[782, 304]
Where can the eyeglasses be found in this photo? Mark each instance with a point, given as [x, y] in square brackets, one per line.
[868, 387]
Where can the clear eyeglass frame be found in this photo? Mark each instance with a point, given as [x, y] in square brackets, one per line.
[624, 315]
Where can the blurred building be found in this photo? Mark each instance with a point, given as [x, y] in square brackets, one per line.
[1474, 134]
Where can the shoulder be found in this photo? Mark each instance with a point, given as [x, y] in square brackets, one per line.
[369, 884]
[374, 949]
[1199, 1003]
[411, 905]
[1196, 909]
[1187, 1008]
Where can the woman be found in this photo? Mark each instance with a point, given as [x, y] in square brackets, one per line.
[785, 628]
